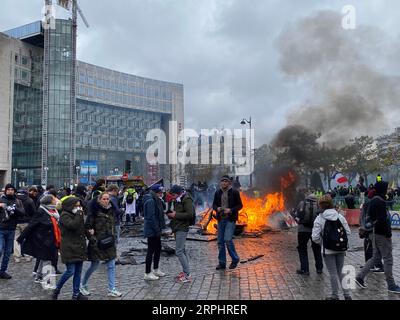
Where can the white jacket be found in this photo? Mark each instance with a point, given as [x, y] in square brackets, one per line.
[319, 223]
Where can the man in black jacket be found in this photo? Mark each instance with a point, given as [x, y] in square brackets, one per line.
[30, 211]
[10, 209]
[379, 215]
[227, 203]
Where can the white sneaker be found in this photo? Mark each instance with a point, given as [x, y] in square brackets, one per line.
[114, 293]
[158, 273]
[85, 291]
[150, 276]
[17, 260]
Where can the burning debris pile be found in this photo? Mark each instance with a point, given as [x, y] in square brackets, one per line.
[255, 216]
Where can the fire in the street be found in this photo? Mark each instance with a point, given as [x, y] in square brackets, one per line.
[256, 211]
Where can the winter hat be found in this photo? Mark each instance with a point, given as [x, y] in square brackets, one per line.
[157, 188]
[69, 203]
[10, 186]
[176, 189]
[381, 187]
[225, 178]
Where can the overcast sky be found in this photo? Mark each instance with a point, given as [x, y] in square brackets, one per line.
[224, 52]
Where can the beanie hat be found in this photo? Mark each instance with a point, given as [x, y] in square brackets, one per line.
[176, 189]
[157, 188]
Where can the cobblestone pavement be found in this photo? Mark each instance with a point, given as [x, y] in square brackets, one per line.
[272, 277]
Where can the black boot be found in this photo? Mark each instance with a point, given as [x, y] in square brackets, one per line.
[79, 296]
[55, 294]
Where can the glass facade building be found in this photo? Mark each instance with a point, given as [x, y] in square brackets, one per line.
[114, 111]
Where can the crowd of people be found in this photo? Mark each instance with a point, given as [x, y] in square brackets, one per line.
[320, 222]
[84, 225]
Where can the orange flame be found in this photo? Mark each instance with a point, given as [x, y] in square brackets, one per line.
[256, 211]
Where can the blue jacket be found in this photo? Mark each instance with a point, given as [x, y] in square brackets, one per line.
[154, 220]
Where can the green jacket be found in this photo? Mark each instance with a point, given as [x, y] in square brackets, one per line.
[73, 239]
[102, 221]
[184, 213]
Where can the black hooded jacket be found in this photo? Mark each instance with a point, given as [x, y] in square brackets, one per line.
[378, 211]
[29, 206]
[9, 219]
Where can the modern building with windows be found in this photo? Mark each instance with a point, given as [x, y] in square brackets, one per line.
[60, 113]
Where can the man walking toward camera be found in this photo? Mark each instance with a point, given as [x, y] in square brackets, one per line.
[227, 203]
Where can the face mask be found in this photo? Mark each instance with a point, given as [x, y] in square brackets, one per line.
[75, 210]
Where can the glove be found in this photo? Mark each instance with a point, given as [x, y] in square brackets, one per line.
[93, 241]
[11, 210]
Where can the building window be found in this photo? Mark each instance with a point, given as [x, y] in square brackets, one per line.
[24, 61]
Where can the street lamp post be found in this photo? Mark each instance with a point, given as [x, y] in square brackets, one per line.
[46, 169]
[249, 122]
[78, 168]
[15, 177]
[89, 178]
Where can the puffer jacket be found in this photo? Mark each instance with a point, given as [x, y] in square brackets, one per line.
[102, 221]
[73, 239]
[319, 224]
[154, 220]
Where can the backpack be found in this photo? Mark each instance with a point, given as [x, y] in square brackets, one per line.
[366, 223]
[129, 198]
[308, 213]
[334, 236]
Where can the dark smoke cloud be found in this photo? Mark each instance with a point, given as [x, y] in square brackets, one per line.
[351, 95]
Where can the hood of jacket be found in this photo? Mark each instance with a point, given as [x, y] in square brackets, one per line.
[69, 204]
[311, 197]
[381, 188]
[23, 195]
[330, 214]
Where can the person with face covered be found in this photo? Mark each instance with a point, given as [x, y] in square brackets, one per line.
[10, 209]
[100, 230]
[73, 246]
[154, 222]
[42, 237]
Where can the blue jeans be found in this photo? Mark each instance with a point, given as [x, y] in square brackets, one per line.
[117, 233]
[94, 265]
[6, 247]
[226, 230]
[180, 238]
[73, 269]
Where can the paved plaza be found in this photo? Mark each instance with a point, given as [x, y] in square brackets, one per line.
[272, 277]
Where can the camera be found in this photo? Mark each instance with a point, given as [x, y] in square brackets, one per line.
[11, 210]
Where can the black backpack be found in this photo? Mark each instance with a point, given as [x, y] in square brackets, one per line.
[308, 213]
[334, 236]
[129, 198]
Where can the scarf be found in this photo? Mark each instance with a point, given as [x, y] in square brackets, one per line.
[225, 199]
[54, 217]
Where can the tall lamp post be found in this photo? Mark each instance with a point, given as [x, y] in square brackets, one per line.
[243, 123]
[15, 177]
[46, 171]
[77, 168]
